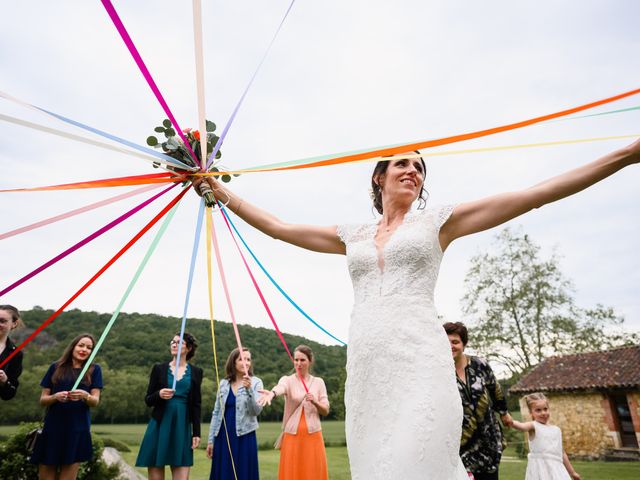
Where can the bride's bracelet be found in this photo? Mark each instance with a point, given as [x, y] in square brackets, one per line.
[215, 190]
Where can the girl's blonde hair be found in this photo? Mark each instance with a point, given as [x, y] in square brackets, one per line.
[535, 397]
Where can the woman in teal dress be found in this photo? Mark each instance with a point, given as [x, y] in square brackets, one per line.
[174, 429]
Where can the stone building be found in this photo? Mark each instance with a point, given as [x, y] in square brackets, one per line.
[594, 398]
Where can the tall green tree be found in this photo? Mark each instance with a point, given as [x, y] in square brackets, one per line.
[522, 308]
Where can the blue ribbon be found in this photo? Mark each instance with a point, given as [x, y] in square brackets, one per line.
[275, 284]
[194, 255]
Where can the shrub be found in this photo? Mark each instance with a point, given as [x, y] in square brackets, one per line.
[15, 465]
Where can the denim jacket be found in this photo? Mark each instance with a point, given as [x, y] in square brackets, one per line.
[247, 408]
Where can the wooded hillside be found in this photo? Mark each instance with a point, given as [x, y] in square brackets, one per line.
[137, 341]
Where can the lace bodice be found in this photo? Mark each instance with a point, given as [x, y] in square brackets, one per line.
[411, 256]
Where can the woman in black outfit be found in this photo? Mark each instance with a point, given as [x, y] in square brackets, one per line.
[9, 373]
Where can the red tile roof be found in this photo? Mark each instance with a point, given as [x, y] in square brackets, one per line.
[617, 368]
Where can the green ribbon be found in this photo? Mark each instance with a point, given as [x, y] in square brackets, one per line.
[134, 280]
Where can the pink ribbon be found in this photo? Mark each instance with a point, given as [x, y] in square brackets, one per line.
[225, 286]
[264, 302]
[77, 211]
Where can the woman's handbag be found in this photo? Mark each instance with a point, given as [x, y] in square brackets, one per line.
[33, 435]
[32, 438]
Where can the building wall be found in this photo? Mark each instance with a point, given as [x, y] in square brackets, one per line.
[582, 417]
[634, 404]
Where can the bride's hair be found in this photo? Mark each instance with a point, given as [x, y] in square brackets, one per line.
[376, 191]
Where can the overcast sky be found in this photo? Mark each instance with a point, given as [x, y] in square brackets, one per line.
[342, 75]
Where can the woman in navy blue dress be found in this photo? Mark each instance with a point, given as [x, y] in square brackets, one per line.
[66, 437]
[232, 444]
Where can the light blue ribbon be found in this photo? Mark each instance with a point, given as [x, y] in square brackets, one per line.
[275, 284]
[194, 255]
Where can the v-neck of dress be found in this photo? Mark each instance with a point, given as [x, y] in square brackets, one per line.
[172, 372]
[380, 250]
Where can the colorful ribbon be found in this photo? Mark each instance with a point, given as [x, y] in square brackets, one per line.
[199, 60]
[259, 292]
[162, 158]
[146, 179]
[305, 163]
[610, 112]
[275, 284]
[408, 147]
[145, 72]
[192, 266]
[77, 211]
[106, 266]
[84, 241]
[127, 292]
[506, 147]
[213, 334]
[77, 138]
[246, 90]
[225, 287]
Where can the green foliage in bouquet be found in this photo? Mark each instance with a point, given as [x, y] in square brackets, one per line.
[173, 146]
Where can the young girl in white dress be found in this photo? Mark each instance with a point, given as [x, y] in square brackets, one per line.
[547, 460]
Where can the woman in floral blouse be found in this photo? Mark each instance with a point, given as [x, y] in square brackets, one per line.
[482, 443]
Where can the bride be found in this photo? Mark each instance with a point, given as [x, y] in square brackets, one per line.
[403, 412]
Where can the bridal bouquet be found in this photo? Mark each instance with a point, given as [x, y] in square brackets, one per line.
[173, 146]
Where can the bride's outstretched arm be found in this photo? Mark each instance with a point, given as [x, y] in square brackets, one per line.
[312, 237]
[479, 215]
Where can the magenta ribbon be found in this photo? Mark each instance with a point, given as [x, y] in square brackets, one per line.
[84, 241]
[145, 72]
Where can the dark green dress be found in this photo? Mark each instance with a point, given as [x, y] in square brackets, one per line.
[169, 442]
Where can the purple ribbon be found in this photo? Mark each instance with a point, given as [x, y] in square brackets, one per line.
[244, 94]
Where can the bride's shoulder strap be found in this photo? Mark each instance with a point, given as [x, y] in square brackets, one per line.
[355, 232]
[438, 214]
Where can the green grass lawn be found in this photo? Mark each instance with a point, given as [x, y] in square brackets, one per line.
[512, 468]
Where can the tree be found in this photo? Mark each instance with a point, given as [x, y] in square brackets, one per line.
[522, 309]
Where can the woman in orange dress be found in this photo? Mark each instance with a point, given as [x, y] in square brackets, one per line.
[302, 454]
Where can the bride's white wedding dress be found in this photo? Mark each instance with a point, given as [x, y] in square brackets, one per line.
[403, 410]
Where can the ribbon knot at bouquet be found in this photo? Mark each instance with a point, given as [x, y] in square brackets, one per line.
[173, 146]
